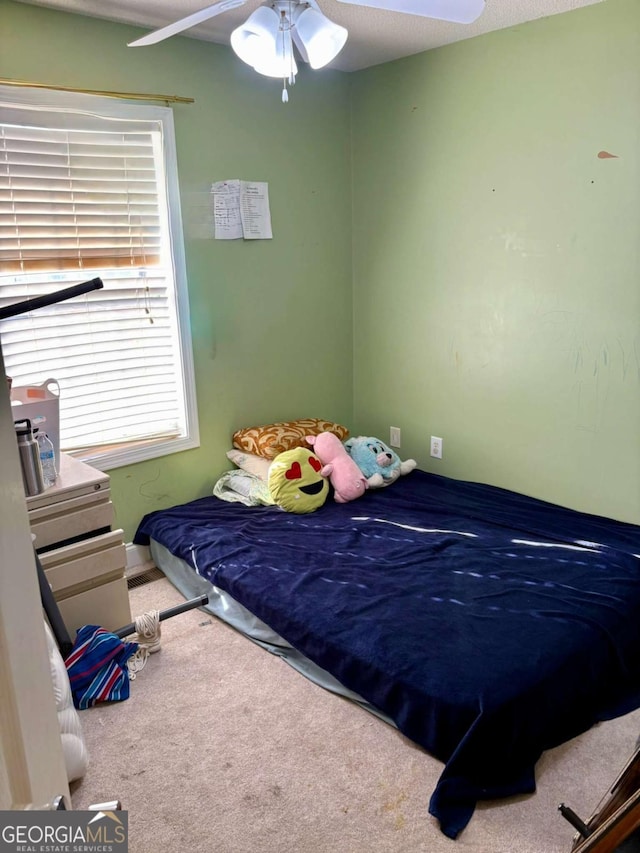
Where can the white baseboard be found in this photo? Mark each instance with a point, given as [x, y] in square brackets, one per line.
[138, 560]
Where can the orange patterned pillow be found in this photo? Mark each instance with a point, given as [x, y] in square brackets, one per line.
[271, 439]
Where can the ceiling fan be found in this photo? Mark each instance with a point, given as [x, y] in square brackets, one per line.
[267, 38]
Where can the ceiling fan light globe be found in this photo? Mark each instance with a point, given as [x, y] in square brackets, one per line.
[279, 60]
[256, 38]
[323, 40]
[252, 49]
[275, 66]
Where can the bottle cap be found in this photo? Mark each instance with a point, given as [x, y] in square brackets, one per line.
[24, 430]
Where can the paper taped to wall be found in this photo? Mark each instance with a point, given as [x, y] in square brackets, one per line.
[241, 210]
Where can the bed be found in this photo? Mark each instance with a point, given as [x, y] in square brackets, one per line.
[486, 625]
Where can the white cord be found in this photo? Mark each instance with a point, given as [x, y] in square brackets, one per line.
[148, 639]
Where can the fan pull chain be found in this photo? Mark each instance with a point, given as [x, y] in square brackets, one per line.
[285, 93]
[286, 25]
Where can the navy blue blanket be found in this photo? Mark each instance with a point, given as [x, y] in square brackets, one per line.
[488, 625]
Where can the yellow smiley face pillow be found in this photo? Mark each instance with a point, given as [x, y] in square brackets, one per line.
[295, 481]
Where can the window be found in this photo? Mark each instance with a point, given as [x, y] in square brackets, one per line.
[89, 189]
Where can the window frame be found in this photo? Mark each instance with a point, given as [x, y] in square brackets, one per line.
[128, 453]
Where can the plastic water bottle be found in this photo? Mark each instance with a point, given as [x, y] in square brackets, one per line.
[47, 459]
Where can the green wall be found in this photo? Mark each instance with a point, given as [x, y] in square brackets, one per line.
[271, 320]
[496, 286]
[494, 265]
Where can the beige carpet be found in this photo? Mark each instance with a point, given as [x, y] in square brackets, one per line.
[222, 747]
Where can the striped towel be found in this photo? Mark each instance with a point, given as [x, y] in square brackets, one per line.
[97, 667]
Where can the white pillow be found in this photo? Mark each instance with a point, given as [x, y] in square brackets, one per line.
[74, 750]
[256, 465]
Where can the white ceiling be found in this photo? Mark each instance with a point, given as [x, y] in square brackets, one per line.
[374, 36]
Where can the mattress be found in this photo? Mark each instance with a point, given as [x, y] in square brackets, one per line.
[225, 607]
[487, 625]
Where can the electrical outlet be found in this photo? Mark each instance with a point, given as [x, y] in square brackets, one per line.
[436, 447]
[394, 439]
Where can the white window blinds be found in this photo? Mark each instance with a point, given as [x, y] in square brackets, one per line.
[79, 199]
[84, 195]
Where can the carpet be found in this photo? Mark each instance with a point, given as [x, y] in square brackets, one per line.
[224, 748]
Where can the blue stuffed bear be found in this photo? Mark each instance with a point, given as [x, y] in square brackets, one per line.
[379, 463]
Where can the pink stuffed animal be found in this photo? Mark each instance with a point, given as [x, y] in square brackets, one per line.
[347, 479]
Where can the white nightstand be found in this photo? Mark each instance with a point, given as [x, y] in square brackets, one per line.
[83, 558]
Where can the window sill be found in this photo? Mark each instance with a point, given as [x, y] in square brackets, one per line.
[107, 458]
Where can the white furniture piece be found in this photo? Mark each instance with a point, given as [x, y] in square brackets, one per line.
[74, 748]
[83, 558]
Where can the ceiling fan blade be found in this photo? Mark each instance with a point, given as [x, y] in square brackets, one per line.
[457, 11]
[185, 23]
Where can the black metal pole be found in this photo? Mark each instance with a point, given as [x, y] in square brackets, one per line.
[50, 298]
[50, 607]
[574, 820]
[166, 614]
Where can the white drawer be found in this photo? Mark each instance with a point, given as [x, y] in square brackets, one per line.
[69, 518]
[106, 606]
[82, 565]
[86, 575]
